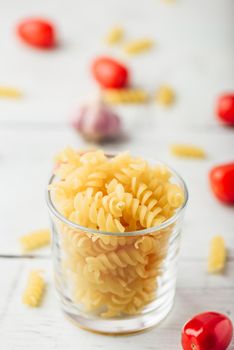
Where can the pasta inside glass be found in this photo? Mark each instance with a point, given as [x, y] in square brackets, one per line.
[113, 282]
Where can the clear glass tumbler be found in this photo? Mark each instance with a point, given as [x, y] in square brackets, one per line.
[116, 283]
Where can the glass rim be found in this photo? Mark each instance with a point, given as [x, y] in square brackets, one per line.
[149, 230]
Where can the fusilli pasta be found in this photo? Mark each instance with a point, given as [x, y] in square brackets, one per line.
[138, 46]
[9, 92]
[187, 151]
[122, 96]
[34, 290]
[217, 255]
[115, 35]
[35, 240]
[165, 95]
[113, 275]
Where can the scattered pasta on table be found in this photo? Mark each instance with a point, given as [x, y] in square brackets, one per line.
[217, 255]
[125, 96]
[189, 151]
[35, 289]
[138, 46]
[115, 35]
[10, 92]
[165, 96]
[35, 240]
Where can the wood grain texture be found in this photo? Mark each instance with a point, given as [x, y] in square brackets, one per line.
[22, 327]
[194, 52]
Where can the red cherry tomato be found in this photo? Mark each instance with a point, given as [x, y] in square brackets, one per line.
[225, 109]
[207, 331]
[222, 182]
[37, 32]
[109, 73]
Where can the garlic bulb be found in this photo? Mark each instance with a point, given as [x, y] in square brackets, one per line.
[97, 122]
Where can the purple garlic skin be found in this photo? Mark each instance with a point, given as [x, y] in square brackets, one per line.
[97, 122]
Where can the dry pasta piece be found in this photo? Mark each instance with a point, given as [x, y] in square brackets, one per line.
[138, 46]
[217, 256]
[35, 239]
[189, 151]
[118, 96]
[165, 95]
[175, 196]
[115, 35]
[9, 92]
[34, 290]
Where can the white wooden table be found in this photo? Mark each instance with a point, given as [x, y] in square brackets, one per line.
[194, 54]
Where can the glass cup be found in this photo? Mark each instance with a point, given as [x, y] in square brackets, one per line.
[116, 283]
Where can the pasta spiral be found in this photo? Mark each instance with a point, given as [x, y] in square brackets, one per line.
[96, 179]
[174, 196]
[104, 221]
[115, 35]
[217, 255]
[35, 288]
[35, 240]
[165, 96]
[187, 151]
[143, 194]
[112, 260]
[113, 205]
[125, 96]
[138, 46]
[9, 92]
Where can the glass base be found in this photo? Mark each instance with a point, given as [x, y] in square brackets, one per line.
[120, 326]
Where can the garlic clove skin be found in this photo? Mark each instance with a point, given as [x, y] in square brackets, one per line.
[77, 120]
[97, 122]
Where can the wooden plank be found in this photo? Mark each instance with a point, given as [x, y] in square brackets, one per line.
[21, 327]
